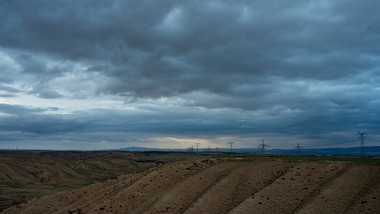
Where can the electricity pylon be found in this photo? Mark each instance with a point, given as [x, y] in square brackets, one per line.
[362, 136]
[231, 143]
[298, 147]
[262, 146]
[197, 145]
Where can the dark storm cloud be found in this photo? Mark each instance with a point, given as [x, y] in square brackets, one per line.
[8, 89]
[28, 124]
[168, 48]
[174, 121]
[271, 66]
[18, 110]
[20, 118]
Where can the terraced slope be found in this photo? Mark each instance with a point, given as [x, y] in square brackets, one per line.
[219, 186]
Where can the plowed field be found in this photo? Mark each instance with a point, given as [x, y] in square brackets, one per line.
[225, 186]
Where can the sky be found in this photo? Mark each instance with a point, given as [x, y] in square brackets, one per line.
[97, 74]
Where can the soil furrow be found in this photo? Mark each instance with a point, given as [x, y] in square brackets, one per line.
[218, 186]
[290, 190]
[338, 194]
[176, 199]
[148, 189]
[368, 201]
[89, 199]
[237, 186]
[63, 202]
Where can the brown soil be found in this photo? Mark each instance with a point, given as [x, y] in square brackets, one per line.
[22, 178]
[333, 197]
[225, 186]
[244, 181]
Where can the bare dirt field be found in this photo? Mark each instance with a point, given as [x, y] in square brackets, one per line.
[226, 185]
[25, 175]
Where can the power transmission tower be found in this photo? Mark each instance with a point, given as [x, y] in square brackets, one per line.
[231, 143]
[362, 136]
[262, 146]
[197, 145]
[298, 147]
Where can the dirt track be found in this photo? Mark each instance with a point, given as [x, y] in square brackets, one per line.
[216, 186]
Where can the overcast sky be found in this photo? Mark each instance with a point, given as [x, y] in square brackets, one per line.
[170, 73]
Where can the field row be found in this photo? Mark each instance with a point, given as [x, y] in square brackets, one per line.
[217, 186]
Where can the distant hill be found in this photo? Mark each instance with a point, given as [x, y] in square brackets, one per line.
[350, 151]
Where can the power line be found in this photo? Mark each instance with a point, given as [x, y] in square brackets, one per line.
[324, 145]
[231, 143]
[197, 145]
[362, 136]
[298, 147]
[262, 146]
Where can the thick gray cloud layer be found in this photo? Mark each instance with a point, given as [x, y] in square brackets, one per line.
[193, 68]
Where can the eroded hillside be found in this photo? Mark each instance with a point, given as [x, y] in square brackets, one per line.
[225, 186]
[23, 178]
